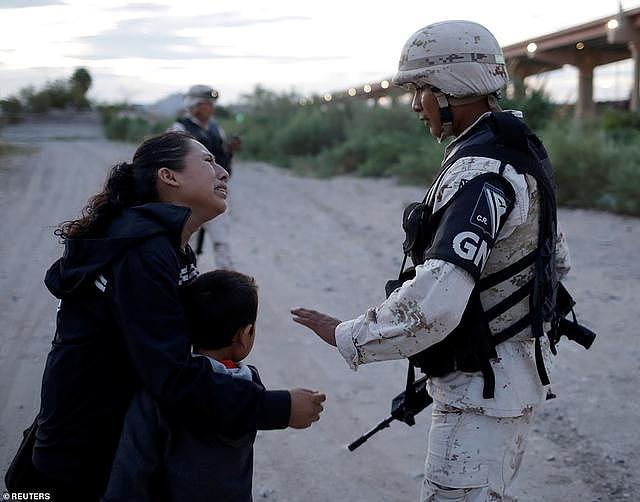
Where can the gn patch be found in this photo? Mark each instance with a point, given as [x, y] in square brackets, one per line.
[490, 208]
[470, 222]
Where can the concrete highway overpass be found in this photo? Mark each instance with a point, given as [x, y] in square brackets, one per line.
[585, 46]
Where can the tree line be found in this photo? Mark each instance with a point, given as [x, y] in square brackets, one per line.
[63, 94]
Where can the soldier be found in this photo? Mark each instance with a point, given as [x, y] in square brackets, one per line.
[487, 258]
[199, 103]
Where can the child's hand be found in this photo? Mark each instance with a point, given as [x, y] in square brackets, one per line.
[306, 406]
[323, 325]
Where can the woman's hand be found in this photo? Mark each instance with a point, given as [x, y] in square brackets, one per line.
[306, 406]
[323, 325]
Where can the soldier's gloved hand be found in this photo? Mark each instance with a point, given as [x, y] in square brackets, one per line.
[322, 324]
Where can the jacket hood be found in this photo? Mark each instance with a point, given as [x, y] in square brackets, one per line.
[84, 258]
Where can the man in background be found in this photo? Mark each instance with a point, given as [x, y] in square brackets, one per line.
[200, 105]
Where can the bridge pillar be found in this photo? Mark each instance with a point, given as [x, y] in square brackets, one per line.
[584, 105]
[517, 76]
[634, 104]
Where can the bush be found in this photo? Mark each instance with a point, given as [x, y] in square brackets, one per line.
[420, 166]
[11, 109]
[123, 122]
[596, 163]
[59, 94]
[39, 102]
[310, 133]
[536, 106]
[339, 138]
[616, 120]
[593, 169]
[580, 158]
[127, 128]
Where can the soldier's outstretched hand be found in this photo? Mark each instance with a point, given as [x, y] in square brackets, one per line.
[321, 324]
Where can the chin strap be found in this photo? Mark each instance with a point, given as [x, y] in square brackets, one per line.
[446, 115]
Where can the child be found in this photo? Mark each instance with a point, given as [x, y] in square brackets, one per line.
[160, 459]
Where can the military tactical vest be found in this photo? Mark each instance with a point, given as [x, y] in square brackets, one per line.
[471, 346]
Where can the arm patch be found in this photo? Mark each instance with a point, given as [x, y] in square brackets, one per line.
[471, 221]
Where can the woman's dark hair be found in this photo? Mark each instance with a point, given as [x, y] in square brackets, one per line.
[216, 305]
[129, 184]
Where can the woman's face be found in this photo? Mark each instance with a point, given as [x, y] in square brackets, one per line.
[202, 183]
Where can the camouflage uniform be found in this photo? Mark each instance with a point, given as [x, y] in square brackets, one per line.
[426, 309]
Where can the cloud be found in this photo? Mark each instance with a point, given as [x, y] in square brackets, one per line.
[117, 44]
[140, 7]
[236, 19]
[20, 4]
[221, 19]
[157, 38]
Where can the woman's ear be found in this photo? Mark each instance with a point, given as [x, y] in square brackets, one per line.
[167, 177]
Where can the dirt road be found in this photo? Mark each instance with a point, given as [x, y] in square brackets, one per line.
[331, 244]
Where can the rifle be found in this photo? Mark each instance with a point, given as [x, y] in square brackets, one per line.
[570, 328]
[404, 407]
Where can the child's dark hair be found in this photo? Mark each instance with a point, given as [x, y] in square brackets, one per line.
[216, 305]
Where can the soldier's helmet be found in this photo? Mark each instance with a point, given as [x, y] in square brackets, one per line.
[459, 58]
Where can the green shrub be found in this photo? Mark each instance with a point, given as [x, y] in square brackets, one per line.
[310, 132]
[122, 122]
[11, 109]
[420, 166]
[535, 104]
[580, 158]
[40, 102]
[613, 120]
[127, 128]
[623, 179]
[593, 168]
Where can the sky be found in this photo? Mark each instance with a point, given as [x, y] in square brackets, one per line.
[143, 51]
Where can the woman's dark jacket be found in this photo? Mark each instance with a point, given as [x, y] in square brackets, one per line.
[120, 328]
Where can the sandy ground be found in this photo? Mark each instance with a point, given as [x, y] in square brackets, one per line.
[331, 244]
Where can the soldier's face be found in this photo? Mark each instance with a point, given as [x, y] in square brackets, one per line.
[426, 106]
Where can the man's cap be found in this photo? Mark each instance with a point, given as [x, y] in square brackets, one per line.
[200, 94]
